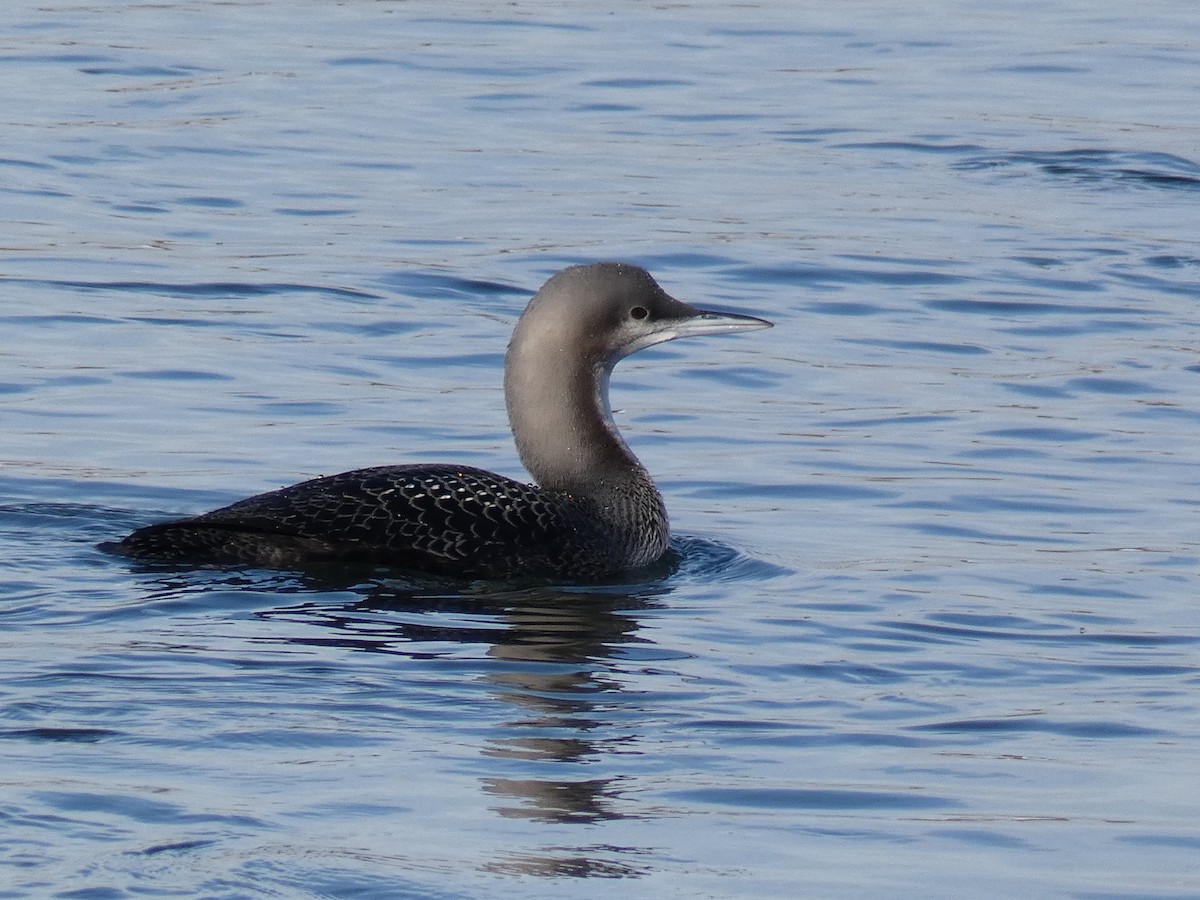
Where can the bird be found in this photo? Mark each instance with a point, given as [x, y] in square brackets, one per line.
[592, 513]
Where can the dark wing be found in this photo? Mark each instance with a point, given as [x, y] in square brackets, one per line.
[437, 518]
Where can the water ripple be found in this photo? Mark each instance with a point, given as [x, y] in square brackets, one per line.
[815, 798]
[1094, 167]
[201, 289]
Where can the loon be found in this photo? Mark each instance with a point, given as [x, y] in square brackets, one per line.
[593, 513]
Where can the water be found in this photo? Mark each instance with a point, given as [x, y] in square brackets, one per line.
[934, 631]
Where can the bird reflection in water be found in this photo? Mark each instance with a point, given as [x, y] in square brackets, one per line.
[557, 646]
[551, 658]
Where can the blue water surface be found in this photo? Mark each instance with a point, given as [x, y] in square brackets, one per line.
[934, 626]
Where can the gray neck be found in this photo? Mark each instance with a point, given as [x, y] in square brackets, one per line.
[562, 424]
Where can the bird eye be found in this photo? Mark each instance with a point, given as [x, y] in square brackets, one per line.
[639, 312]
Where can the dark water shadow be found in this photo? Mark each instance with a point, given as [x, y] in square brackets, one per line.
[541, 664]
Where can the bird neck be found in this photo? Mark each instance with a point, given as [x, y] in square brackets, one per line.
[563, 427]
